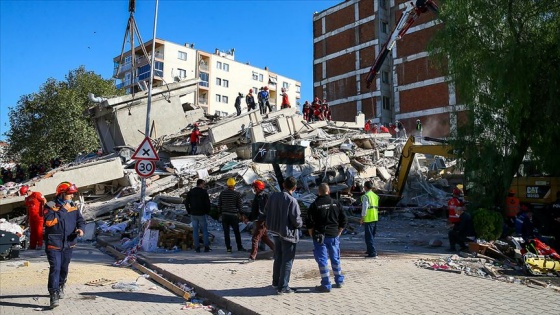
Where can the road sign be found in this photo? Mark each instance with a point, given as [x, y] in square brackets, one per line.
[146, 151]
[145, 168]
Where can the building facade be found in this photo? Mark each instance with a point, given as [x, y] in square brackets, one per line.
[347, 38]
[222, 78]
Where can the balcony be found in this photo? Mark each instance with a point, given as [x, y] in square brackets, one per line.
[203, 67]
[204, 84]
[202, 101]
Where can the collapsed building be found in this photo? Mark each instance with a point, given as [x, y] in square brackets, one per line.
[338, 153]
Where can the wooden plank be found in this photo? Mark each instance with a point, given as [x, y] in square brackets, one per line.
[157, 278]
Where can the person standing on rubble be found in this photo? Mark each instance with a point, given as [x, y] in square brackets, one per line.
[250, 101]
[367, 126]
[325, 222]
[369, 218]
[418, 128]
[285, 99]
[63, 224]
[195, 139]
[283, 219]
[229, 205]
[197, 204]
[512, 208]
[258, 216]
[462, 232]
[238, 103]
[401, 131]
[34, 202]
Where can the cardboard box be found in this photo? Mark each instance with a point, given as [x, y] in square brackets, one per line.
[150, 240]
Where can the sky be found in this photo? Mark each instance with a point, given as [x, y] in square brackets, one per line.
[46, 39]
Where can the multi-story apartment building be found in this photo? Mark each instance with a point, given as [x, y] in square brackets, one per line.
[347, 38]
[222, 78]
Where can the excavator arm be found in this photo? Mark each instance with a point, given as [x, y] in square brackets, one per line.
[407, 157]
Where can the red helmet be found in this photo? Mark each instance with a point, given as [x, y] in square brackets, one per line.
[195, 124]
[457, 191]
[66, 188]
[23, 190]
[258, 185]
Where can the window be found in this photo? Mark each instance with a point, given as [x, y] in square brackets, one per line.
[182, 73]
[255, 76]
[255, 90]
[260, 77]
[204, 77]
[182, 55]
[226, 67]
[385, 27]
[383, 4]
[224, 99]
[298, 89]
[385, 77]
[218, 98]
[218, 81]
[219, 65]
[386, 103]
[225, 83]
[127, 60]
[285, 85]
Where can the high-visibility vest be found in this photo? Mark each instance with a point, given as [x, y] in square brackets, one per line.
[512, 206]
[373, 206]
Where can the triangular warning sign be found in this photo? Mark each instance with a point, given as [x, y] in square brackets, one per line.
[146, 151]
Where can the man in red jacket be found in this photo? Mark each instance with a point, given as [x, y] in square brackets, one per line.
[34, 201]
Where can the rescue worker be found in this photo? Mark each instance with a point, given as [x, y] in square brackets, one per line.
[325, 222]
[260, 101]
[229, 206]
[374, 128]
[285, 100]
[392, 129]
[195, 139]
[266, 97]
[34, 202]
[259, 217]
[250, 101]
[383, 129]
[418, 128]
[63, 225]
[452, 204]
[367, 126]
[512, 208]
[238, 103]
[306, 110]
[401, 131]
[369, 217]
[462, 232]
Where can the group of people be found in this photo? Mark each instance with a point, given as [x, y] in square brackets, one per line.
[263, 102]
[279, 213]
[317, 110]
[18, 173]
[57, 224]
[396, 129]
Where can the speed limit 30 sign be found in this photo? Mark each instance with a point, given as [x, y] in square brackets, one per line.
[145, 168]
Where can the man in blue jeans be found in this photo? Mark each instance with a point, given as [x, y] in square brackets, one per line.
[325, 221]
[283, 219]
[198, 206]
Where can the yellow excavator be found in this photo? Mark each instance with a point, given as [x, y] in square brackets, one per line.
[536, 191]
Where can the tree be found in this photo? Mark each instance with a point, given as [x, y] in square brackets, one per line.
[51, 123]
[503, 57]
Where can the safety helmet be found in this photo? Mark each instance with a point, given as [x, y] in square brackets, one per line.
[231, 182]
[66, 188]
[23, 190]
[512, 192]
[457, 191]
[258, 184]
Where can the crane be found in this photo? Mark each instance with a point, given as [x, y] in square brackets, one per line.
[408, 17]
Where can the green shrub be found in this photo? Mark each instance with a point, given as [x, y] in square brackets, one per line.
[488, 224]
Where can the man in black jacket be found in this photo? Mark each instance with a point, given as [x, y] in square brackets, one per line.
[198, 206]
[325, 221]
[229, 205]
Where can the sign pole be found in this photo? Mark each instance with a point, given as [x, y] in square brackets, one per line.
[148, 108]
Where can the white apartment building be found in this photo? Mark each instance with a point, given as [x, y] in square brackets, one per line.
[222, 78]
